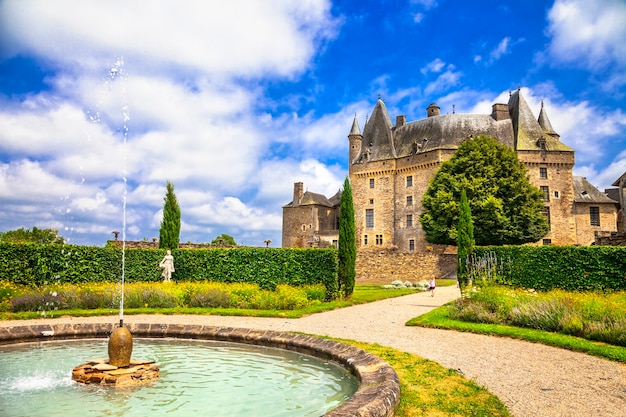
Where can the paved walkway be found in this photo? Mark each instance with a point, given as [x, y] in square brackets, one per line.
[531, 379]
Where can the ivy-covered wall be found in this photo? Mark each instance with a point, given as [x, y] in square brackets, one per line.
[34, 264]
[572, 268]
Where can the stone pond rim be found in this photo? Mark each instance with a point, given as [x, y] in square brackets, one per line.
[379, 386]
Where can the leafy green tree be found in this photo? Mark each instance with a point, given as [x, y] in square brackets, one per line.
[347, 242]
[169, 234]
[224, 239]
[35, 235]
[465, 234]
[506, 208]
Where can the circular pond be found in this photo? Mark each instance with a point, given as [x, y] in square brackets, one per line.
[197, 378]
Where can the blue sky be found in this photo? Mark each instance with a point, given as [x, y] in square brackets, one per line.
[102, 102]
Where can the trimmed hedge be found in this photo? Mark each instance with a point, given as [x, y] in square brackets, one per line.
[571, 268]
[33, 264]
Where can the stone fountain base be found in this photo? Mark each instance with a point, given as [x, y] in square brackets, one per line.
[100, 372]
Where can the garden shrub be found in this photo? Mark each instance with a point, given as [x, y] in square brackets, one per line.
[572, 268]
[34, 264]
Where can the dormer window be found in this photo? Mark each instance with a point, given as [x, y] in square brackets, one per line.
[541, 143]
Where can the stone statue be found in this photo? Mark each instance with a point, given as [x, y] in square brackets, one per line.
[167, 265]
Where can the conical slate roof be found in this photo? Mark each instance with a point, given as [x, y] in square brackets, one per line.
[529, 135]
[544, 122]
[377, 134]
[356, 129]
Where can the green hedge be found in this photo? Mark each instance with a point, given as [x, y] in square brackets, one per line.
[33, 264]
[572, 268]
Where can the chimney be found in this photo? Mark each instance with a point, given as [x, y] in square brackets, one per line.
[298, 189]
[433, 110]
[400, 121]
[500, 111]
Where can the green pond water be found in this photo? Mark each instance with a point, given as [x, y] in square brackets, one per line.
[198, 378]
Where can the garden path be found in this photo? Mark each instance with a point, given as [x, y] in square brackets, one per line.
[531, 379]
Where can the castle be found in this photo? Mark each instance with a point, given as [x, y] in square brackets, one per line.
[390, 167]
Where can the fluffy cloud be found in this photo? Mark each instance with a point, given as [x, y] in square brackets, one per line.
[588, 34]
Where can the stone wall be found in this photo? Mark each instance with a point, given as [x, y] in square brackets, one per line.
[610, 239]
[386, 266]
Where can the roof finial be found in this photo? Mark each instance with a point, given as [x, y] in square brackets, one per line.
[379, 96]
[453, 108]
[510, 93]
[519, 87]
[542, 103]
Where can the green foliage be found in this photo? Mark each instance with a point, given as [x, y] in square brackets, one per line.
[21, 235]
[572, 268]
[169, 233]
[30, 264]
[347, 242]
[590, 315]
[465, 234]
[506, 208]
[224, 240]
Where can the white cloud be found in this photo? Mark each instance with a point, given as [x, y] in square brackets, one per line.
[588, 34]
[503, 48]
[273, 36]
[435, 66]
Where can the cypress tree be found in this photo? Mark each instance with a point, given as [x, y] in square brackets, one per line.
[169, 234]
[465, 238]
[347, 242]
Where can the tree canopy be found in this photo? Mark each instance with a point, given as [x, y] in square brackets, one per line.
[35, 235]
[169, 234]
[506, 208]
[225, 240]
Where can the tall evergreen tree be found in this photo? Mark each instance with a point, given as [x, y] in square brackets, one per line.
[347, 241]
[465, 237]
[169, 234]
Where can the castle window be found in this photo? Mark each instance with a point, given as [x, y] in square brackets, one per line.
[546, 192]
[546, 212]
[369, 218]
[409, 200]
[379, 239]
[411, 245]
[556, 194]
[303, 227]
[547, 242]
[371, 201]
[409, 181]
[594, 216]
[371, 182]
[543, 173]
[409, 220]
[365, 239]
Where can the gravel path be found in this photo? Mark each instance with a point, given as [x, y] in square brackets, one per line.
[531, 379]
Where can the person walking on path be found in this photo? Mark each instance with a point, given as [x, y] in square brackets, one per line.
[432, 284]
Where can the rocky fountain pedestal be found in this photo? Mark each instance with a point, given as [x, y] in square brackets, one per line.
[118, 369]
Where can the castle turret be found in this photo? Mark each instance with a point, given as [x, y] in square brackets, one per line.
[355, 137]
[545, 124]
[433, 110]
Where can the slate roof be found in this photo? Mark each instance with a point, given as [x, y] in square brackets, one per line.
[381, 140]
[312, 199]
[584, 192]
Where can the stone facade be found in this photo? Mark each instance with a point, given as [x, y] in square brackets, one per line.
[390, 167]
[310, 219]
